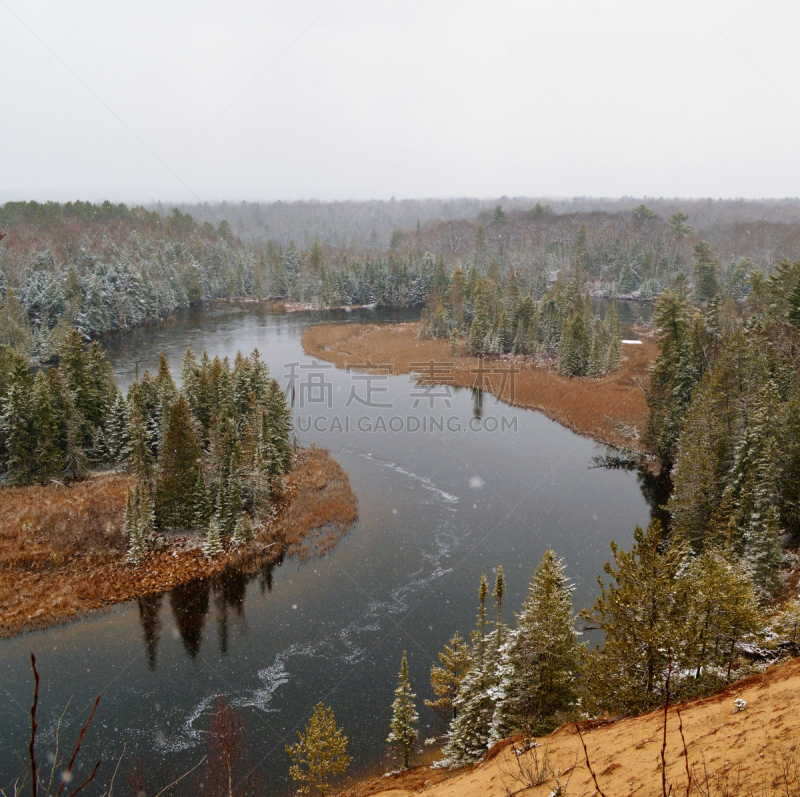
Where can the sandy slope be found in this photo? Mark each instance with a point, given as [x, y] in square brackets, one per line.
[744, 753]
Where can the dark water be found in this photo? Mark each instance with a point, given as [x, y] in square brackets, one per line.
[436, 509]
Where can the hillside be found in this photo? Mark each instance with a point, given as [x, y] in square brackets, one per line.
[749, 752]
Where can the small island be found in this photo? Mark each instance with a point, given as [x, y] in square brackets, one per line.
[611, 409]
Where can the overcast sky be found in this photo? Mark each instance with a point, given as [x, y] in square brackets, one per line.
[137, 100]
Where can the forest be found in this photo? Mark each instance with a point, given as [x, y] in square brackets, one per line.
[106, 267]
[704, 598]
[211, 456]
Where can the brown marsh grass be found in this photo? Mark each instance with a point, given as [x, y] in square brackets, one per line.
[608, 409]
[62, 551]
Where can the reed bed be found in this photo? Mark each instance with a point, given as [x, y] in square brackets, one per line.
[62, 550]
[612, 409]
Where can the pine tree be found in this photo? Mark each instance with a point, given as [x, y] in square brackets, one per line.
[201, 502]
[145, 508]
[539, 665]
[641, 614]
[706, 286]
[403, 731]
[213, 544]
[455, 342]
[141, 458]
[468, 735]
[446, 680]
[47, 457]
[722, 609]
[595, 367]
[137, 544]
[243, 532]
[319, 754]
[476, 340]
[614, 358]
[278, 427]
[793, 312]
[178, 469]
[18, 429]
[165, 385]
[119, 432]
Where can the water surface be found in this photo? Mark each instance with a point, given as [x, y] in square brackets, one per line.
[436, 509]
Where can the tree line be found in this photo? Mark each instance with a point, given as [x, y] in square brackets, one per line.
[210, 456]
[510, 314]
[104, 267]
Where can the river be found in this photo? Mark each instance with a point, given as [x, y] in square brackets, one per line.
[445, 493]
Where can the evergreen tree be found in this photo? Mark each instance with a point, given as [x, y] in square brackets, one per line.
[640, 614]
[243, 532]
[213, 544]
[141, 457]
[722, 610]
[178, 470]
[201, 502]
[277, 433]
[706, 286]
[595, 367]
[446, 680]
[137, 525]
[18, 429]
[403, 731]
[468, 736]
[47, 455]
[480, 320]
[539, 664]
[614, 358]
[319, 754]
[119, 437]
[793, 312]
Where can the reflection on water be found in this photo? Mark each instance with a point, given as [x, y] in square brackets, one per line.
[191, 605]
[149, 608]
[477, 402]
[436, 510]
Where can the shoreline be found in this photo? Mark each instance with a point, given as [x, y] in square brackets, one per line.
[46, 580]
[611, 410]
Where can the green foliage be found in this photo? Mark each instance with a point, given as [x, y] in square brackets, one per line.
[403, 731]
[539, 666]
[706, 286]
[319, 754]
[640, 613]
[498, 316]
[213, 546]
[663, 606]
[456, 661]
[178, 471]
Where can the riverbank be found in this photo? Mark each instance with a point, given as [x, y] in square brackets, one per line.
[727, 752]
[611, 410]
[62, 550]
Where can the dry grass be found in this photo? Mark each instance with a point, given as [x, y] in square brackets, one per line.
[323, 506]
[604, 409]
[62, 553]
[752, 752]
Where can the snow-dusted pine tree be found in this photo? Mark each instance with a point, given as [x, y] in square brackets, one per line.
[403, 731]
[118, 431]
[243, 532]
[137, 547]
[213, 544]
[201, 501]
[468, 737]
[538, 668]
